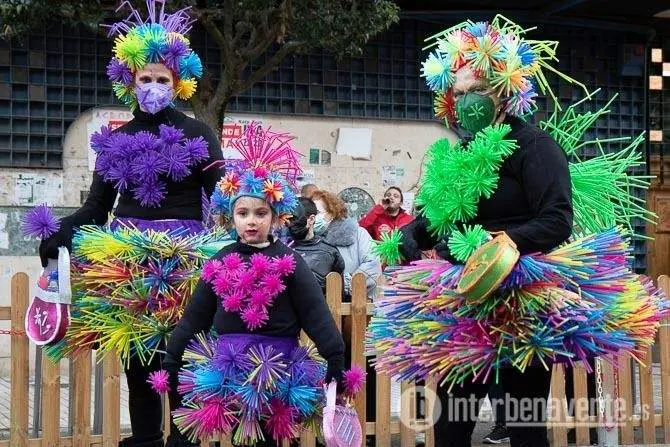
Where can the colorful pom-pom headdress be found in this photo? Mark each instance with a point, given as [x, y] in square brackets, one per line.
[158, 39]
[269, 171]
[498, 52]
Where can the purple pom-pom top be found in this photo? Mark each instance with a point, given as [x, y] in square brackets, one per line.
[40, 222]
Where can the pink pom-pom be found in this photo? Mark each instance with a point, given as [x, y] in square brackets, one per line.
[282, 421]
[260, 298]
[259, 263]
[210, 270]
[254, 317]
[233, 302]
[246, 281]
[159, 381]
[209, 417]
[272, 285]
[232, 261]
[284, 266]
[354, 380]
[222, 283]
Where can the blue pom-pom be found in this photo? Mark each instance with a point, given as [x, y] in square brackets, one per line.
[190, 66]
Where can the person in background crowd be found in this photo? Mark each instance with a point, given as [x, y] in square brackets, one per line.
[321, 257]
[353, 242]
[387, 215]
[308, 190]
[355, 245]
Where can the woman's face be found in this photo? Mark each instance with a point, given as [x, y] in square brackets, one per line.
[252, 218]
[154, 73]
[321, 208]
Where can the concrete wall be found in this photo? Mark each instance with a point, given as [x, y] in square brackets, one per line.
[394, 143]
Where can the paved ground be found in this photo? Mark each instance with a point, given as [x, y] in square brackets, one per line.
[480, 431]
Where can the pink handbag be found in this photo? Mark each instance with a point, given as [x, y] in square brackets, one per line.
[341, 427]
[48, 314]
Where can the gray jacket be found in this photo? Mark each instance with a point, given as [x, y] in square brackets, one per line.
[355, 246]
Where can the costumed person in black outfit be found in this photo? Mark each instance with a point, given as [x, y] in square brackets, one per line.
[134, 277]
[252, 379]
[504, 310]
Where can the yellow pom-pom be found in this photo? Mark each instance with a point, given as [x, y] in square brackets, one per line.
[183, 38]
[185, 88]
[131, 50]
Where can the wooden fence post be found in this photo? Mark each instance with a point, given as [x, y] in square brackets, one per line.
[50, 403]
[626, 396]
[111, 401]
[664, 346]
[558, 420]
[81, 395]
[581, 414]
[647, 399]
[18, 431]
[358, 325]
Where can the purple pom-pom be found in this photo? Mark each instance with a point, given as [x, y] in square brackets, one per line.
[159, 381]
[40, 222]
[119, 72]
[197, 149]
[149, 165]
[170, 134]
[177, 163]
[150, 193]
[174, 51]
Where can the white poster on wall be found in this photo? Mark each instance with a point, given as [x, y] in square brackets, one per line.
[33, 189]
[234, 127]
[355, 142]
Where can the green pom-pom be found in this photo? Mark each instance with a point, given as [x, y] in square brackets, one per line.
[131, 49]
[462, 244]
[388, 249]
[455, 178]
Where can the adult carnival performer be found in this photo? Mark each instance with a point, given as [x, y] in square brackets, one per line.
[571, 294]
[132, 280]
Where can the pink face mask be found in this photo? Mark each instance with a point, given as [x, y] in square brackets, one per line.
[153, 96]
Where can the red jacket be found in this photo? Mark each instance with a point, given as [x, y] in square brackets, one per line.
[378, 222]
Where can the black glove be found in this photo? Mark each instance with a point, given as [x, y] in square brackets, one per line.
[49, 246]
[335, 372]
[442, 250]
[409, 249]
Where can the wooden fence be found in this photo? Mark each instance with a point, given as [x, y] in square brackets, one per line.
[383, 428]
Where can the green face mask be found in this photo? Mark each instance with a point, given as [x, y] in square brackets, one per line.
[474, 111]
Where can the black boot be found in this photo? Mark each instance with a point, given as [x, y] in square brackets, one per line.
[179, 441]
[153, 441]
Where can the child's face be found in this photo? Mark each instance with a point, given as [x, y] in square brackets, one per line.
[253, 219]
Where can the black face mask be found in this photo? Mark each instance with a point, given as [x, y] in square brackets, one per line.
[298, 229]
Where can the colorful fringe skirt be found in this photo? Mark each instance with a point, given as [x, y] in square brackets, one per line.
[131, 283]
[252, 386]
[579, 301]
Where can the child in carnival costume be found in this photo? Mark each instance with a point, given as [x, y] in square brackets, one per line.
[252, 379]
[571, 295]
[133, 279]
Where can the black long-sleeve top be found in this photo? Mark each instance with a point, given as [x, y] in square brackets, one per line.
[300, 306]
[533, 201]
[183, 199]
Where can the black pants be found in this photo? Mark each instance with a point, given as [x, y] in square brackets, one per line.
[526, 426]
[144, 404]
[497, 398]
